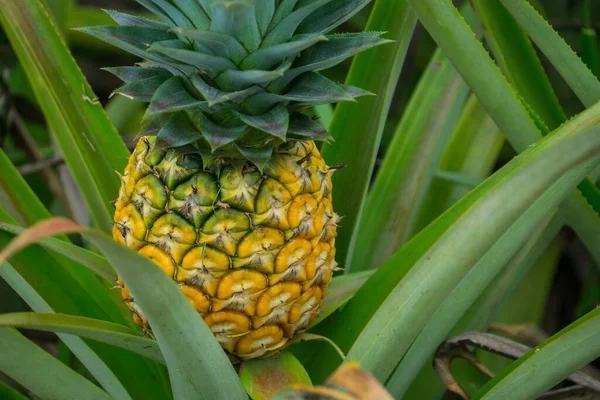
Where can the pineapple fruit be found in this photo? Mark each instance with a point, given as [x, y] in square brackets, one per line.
[226, 189]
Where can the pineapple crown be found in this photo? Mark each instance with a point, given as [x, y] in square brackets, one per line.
[230, 78]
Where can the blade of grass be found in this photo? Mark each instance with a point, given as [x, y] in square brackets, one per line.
[101, 331]
[85, 353]
[410, 163]
[359, 125]
[90, 144]
[565, 352]
[198, 366]
[393, 306]
[41, 373]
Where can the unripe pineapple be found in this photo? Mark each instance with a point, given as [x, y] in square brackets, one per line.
[226, 190]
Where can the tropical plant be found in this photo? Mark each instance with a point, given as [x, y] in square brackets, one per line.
[218, 230]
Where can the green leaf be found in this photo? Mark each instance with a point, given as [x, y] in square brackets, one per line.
[589, 50]
[475, 282]
[236, 19]
[571, 68]
[90, 260]
[198, 366]
[565, 352]
[327, 54]
[41, 373]
[134, 20]
[285, 29]
[312, 87]
[101, 331]
[468, 159]
[264, 377]
[8, 393]
[17, 197]
[220, 44]
[479, 316]
[172, 96]
[359, 125]
[392, 307]
[331, 16]
[516, 56]
[205, 63]
[410, 164]
[91, 146]
[86, 354]
[341, 290]
[268, 57]
[454, 37]
[274, 122]
[303, 126]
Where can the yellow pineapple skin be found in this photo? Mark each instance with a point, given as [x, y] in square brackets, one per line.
[253, 252]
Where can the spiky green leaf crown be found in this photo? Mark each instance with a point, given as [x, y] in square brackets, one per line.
[230, 78]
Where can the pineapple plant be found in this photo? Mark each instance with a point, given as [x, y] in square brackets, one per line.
[224, 224]
[226, 189]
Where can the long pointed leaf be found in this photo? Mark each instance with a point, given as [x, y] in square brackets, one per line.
[412, 284]
[410, 164]
[41, 373]
[102, 331]
[85, 353]
[360, 125]
[570, 349]
[571, 68]
[90, 144]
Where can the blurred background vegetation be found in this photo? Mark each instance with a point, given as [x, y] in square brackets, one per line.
[564, 284]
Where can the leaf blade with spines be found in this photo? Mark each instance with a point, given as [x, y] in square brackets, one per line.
[274, 122]
[285, 29]
[217, 136]
[133, 39]
[331, 16]
[314, 88]
[304, 127]
[178, 132]
[237, 19]
[124, 19]
[172, 96]
[267, 57]
[168, 12]
[194, 12]
[141, 90]
[131, 74]
[221, 44]
[329, 53]
[233, 80]
[205, 63]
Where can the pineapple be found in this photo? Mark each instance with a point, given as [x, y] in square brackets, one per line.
[226, 189]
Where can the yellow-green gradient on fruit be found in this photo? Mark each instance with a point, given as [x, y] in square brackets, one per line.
[253, 252]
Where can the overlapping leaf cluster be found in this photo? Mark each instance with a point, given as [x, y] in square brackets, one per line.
[231, 78]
